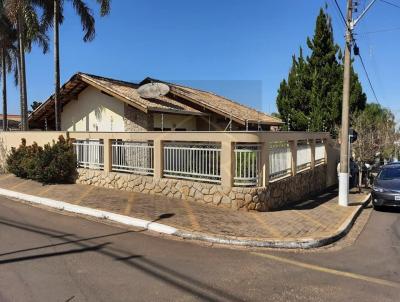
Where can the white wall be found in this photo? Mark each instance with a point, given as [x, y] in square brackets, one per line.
[93, 111]
[173, 121]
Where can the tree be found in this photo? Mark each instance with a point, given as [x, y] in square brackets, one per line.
[8, 54]
[376, 133]
[311, 97]
[35, 105]
[25, 20]
[54, 11]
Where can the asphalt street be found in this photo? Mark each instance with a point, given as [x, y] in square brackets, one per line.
[48, 256]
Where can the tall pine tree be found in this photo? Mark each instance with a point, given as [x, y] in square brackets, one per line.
[311, 97]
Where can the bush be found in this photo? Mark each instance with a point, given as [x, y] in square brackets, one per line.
[54, 163]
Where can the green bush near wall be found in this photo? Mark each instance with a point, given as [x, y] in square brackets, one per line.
[54, 163]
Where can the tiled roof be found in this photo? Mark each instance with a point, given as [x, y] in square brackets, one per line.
[127, 92]
[213, 102]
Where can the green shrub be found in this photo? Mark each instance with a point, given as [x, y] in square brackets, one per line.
[54, 163]
[57, 163]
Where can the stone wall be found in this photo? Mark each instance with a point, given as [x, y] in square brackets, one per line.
[136, 120]
[275, 196]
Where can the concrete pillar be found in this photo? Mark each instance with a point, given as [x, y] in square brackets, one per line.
[227, 164]
[107, 155]
[312, 145]
[264, 173]
[293, 150]
[158, 159]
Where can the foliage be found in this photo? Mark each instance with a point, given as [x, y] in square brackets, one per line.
[376, 134]
[54, 163]
[34, 105]
[311, 97]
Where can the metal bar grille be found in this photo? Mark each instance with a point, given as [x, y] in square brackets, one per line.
[194, 161]
[89, 154]
[247, 164]
[133, 157]
[303, 155]
[280, 160]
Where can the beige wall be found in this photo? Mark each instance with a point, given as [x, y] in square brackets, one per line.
[93, 111]
[174, 121]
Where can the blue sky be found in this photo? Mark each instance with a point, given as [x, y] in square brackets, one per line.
[237, 48]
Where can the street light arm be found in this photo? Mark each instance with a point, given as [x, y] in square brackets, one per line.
[354, 22]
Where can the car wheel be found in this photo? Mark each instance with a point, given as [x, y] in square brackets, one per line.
[377, 208]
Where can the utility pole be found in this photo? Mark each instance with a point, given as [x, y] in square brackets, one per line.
[344, 144]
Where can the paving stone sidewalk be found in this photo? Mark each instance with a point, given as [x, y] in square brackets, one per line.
[317, 217]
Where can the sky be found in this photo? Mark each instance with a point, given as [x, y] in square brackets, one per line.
[240, 49]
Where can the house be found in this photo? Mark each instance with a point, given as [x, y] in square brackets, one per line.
[13, 121]
[94, 103]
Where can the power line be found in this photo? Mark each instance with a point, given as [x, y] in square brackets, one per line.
[379, 31]
[390, 3]
[368, 78]
[340, 12]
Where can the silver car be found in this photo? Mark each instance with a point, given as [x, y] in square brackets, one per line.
[386, 187]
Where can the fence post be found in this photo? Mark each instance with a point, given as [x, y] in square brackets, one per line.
[293, 151]
[264, 175]
[227, 164]
[107, 155]
[312, 146]
[158, 159]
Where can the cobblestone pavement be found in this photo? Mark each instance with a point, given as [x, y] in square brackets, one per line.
[314, 218]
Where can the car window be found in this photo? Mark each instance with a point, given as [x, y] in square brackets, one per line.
[389, 173]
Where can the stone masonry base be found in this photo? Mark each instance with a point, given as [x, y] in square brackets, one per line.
[276, 195]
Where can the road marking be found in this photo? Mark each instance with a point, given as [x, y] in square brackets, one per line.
[129, 203]
[16, 185]
[329, 270]
[46, 189]
[268, 227]
[6, 176]
[307, 217]
[85, 194]
[193, 220]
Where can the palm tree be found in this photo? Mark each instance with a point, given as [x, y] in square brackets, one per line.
[8, 54]
[88, 25]
[24, 18]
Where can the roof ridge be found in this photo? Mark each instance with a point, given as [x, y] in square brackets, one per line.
[126, 83]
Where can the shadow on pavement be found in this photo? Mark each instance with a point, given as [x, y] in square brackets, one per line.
[156, 270]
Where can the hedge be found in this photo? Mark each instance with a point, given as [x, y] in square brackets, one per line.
[55, 163]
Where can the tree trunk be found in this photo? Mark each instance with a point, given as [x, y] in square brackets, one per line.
[21, 58]
[57, 105]
[4, 82]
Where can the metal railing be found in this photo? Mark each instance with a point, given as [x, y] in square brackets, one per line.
[303, 155]
[280, 160]
[89, 154]
[319, 152]
[193, 161]
[247, 164]
[133, 157]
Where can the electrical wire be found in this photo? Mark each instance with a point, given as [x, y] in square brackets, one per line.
[379, 31]
[368, 78]
[341, 13]
[390, 3]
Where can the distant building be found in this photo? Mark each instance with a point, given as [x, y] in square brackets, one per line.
[94, 103]
[13, 121]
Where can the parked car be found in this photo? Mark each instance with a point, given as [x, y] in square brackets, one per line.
[386, 187]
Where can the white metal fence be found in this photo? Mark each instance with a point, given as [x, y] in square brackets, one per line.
[303, 155]
[280, 160]
[133, 157]
[319, 152]
[89, 154]
[247, 164]
[194, 161]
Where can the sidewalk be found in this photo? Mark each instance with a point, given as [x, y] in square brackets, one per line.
[311, 223]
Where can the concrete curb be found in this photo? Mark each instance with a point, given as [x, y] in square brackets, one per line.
[304, 243]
